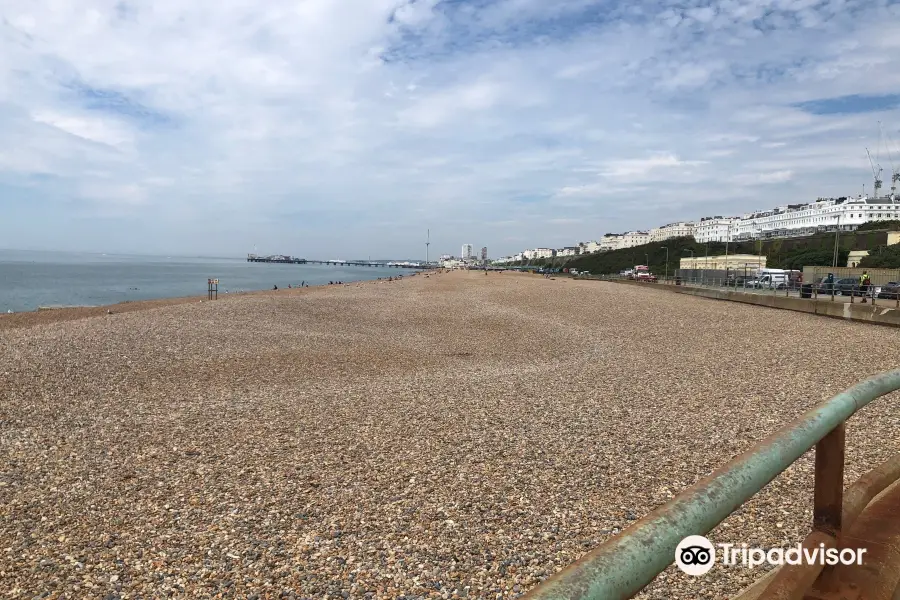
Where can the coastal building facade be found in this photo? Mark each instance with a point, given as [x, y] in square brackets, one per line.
[823, 215]
[466, 251]
[589, 247]
[672, 230]
[635, 238]
[617, 241]
[611, 241]
[715, 229]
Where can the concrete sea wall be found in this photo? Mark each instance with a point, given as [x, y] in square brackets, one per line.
[885, 313]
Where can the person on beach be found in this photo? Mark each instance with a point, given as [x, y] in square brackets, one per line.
[274, 287]
[864, 283]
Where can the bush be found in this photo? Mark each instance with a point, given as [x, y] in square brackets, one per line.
[812, 257]
[887, 225]
[882, 257]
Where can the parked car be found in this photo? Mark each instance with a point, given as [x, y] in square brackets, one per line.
[738, 281]
[890, 290]
[823, 288]
[849, 286]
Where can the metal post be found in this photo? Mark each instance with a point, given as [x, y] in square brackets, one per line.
[837, 234]
[727, 238]
[667, 264]
[829, 492]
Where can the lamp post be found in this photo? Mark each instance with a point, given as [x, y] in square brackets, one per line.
[837, 235]
[666, 248]
[727, 239]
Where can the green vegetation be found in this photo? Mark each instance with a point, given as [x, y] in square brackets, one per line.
[891, 225]
[790, 253]
[653, 255]
[778, 253]
[812, 257]
[882, 257]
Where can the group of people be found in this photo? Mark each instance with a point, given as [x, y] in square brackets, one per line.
[302, 285]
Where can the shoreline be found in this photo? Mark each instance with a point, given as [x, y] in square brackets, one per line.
[45, 315]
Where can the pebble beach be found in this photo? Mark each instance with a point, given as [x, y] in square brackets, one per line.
[452, 435]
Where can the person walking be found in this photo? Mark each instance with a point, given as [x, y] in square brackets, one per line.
[864, 283]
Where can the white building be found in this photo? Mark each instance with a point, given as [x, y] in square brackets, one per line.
[823, 215]
[635, 238]
[611, 241]
[568, 251]
[715, 229]
[544, 252]
[467, 252]
[588, 247]
[672, 230]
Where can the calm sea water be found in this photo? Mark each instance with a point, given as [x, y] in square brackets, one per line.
[32, 279]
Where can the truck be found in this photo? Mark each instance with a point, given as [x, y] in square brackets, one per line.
[642, 273]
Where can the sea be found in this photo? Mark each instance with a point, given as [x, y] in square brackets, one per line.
[29, 280]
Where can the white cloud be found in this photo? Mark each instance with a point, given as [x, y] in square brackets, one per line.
[659, 165]
[764, 178]
[102, 131]
[310, 124]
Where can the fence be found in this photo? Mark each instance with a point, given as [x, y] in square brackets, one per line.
[878, 276]
[625, 564]
[875, 294]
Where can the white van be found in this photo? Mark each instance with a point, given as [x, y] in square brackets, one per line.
[771, 278]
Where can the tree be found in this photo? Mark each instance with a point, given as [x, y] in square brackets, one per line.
[882, 257]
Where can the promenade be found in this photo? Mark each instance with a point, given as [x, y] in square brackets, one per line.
[449, 435]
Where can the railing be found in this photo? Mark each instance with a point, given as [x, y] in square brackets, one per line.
[874, 294]
[627, 563]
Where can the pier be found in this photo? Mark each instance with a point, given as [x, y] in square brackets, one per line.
[284, 259]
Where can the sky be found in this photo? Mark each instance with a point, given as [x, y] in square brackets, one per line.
[343, 129]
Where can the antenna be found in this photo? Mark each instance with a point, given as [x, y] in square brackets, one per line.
[876, 173]
[427, 244]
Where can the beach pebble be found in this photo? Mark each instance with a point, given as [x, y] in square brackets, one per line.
[447, 437]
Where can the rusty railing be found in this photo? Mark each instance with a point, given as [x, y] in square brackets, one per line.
[625, 564]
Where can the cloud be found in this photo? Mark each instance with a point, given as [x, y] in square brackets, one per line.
[764, 178]
[645, 166]
[350, 128]
[94, 129]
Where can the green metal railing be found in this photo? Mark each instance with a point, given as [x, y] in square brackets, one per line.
[625, 564]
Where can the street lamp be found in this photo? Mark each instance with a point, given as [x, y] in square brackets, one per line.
[837, 234]
[666, 248]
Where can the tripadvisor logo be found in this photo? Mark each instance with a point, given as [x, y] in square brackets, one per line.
[696, 555]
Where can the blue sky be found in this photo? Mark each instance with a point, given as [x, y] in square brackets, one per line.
[326, 128]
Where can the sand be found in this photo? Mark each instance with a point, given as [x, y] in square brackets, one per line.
[456, 435]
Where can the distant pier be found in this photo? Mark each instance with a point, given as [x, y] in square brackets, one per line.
[291, 260]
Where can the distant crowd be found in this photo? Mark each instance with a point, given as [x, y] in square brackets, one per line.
[303, 284]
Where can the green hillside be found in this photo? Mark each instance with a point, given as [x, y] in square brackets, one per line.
[791, 253]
